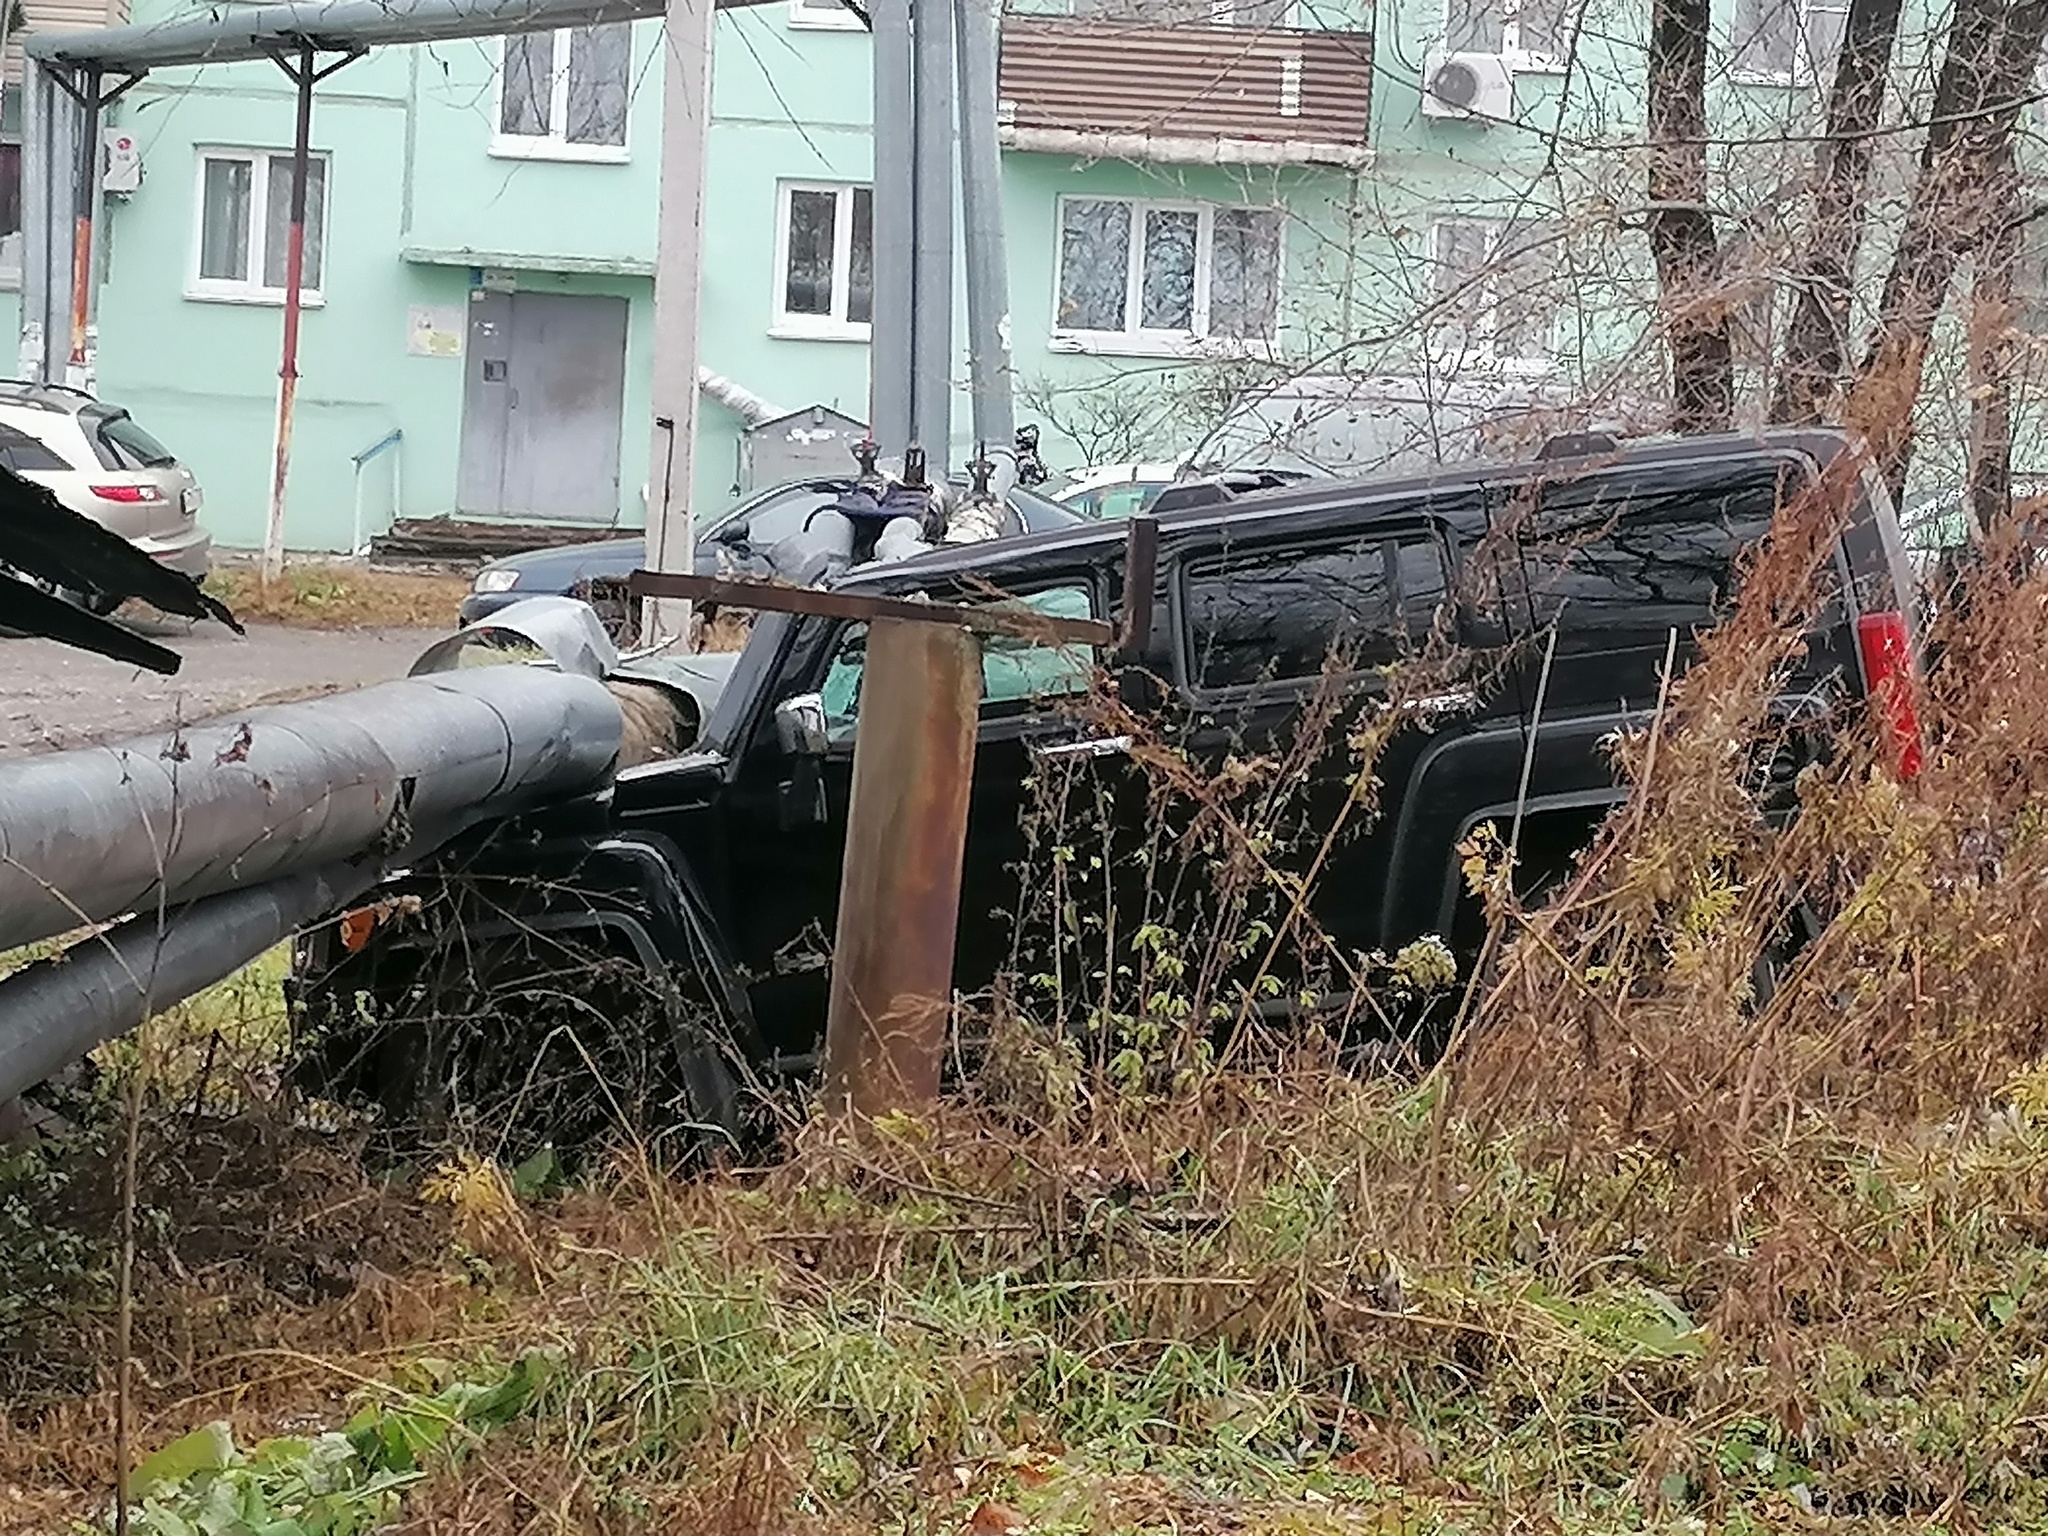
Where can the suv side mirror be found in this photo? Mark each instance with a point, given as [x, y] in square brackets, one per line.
[800, 725]
[732, 535]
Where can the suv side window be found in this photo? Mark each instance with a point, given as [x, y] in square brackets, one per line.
[1015, 673]
[24, 455]
[1272, 614]
[1621, 558]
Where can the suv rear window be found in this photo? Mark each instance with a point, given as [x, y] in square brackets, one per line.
[132, 447]
[1607, 556]
[25, 456]
[1272, 614]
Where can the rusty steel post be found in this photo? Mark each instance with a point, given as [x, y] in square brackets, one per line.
[899, 894]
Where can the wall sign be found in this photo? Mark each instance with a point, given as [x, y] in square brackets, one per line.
[434, 330]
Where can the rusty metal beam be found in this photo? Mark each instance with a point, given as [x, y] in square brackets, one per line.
[1141, 574]
[776, 597]
[899, 890]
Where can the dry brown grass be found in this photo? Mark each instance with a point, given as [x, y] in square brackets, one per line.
[335, 595]
[1652, 1250]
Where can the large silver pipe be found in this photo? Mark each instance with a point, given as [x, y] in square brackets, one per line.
[981, 217]
[91, 835]
[57, 1010]
[222, 35]
[894, 217]
[932, 332]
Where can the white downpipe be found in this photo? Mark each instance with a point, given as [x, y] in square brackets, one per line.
[738, 399]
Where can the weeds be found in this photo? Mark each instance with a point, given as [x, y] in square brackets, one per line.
[341, 1483]
[341, 596]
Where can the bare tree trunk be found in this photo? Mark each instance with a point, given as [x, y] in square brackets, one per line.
[1992, 46]
[1681, 227]
[1991, 350]
[1816, 345]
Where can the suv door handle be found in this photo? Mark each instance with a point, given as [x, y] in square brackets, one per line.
[1094, 746]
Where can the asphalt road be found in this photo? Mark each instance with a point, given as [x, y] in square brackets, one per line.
[53, 697]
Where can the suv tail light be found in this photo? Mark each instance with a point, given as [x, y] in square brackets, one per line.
[128, 493]
[1888, 673]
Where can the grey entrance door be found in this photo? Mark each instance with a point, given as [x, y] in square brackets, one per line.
[541, 406]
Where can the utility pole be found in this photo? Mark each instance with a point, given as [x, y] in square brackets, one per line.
[685, 138]
[932, 319]
[899, 888]
[895, 221]
[981, 217]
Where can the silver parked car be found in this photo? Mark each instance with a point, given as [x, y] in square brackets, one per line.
[100, 463]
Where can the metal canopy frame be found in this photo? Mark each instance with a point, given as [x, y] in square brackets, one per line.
[61, 148]
[326, 26]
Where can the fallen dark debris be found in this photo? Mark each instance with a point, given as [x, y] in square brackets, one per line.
[45, 545]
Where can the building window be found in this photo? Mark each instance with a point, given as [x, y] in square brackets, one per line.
[563, 95]
[825, 261]
[2030, 267]
[1534, 33]
[1496, 300]
[245, 210]
[1788, 39]
[823, 16]
[1148, 272]
[10, 208]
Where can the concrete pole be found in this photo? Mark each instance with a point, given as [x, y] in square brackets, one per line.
[895, 216]
[685, 139]
[932, 335]
[981, 216]
[899, 890]
[38, 218]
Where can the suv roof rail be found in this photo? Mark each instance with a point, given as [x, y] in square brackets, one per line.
[30, 389]
[1578, 445]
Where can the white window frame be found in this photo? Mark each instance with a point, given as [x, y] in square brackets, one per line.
[252, 290]
[553, 145]
[1521, 60]
[1135, 340]
[1459, 350]
[822, 18]
[835, 326]
[1803, 71]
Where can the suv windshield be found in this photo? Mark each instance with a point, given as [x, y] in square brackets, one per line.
[133, 448]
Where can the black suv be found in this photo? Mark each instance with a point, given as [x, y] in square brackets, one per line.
[710, 882]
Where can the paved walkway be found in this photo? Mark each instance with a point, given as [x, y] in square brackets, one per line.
[52, 696]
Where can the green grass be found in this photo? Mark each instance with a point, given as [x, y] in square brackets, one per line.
[214, 1041]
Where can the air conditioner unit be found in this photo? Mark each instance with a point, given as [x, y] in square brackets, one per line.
[1478, 86]
[121, 169]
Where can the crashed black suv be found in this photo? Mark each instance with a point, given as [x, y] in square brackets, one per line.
[701, 892]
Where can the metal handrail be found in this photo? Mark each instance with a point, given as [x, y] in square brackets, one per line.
[384, 444]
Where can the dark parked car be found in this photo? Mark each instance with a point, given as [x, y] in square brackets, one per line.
[715, 876]
[735, 543]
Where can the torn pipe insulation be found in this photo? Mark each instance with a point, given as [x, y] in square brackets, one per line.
[565, 629]
[46, 542]
[53, 1012]
[90, 835]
